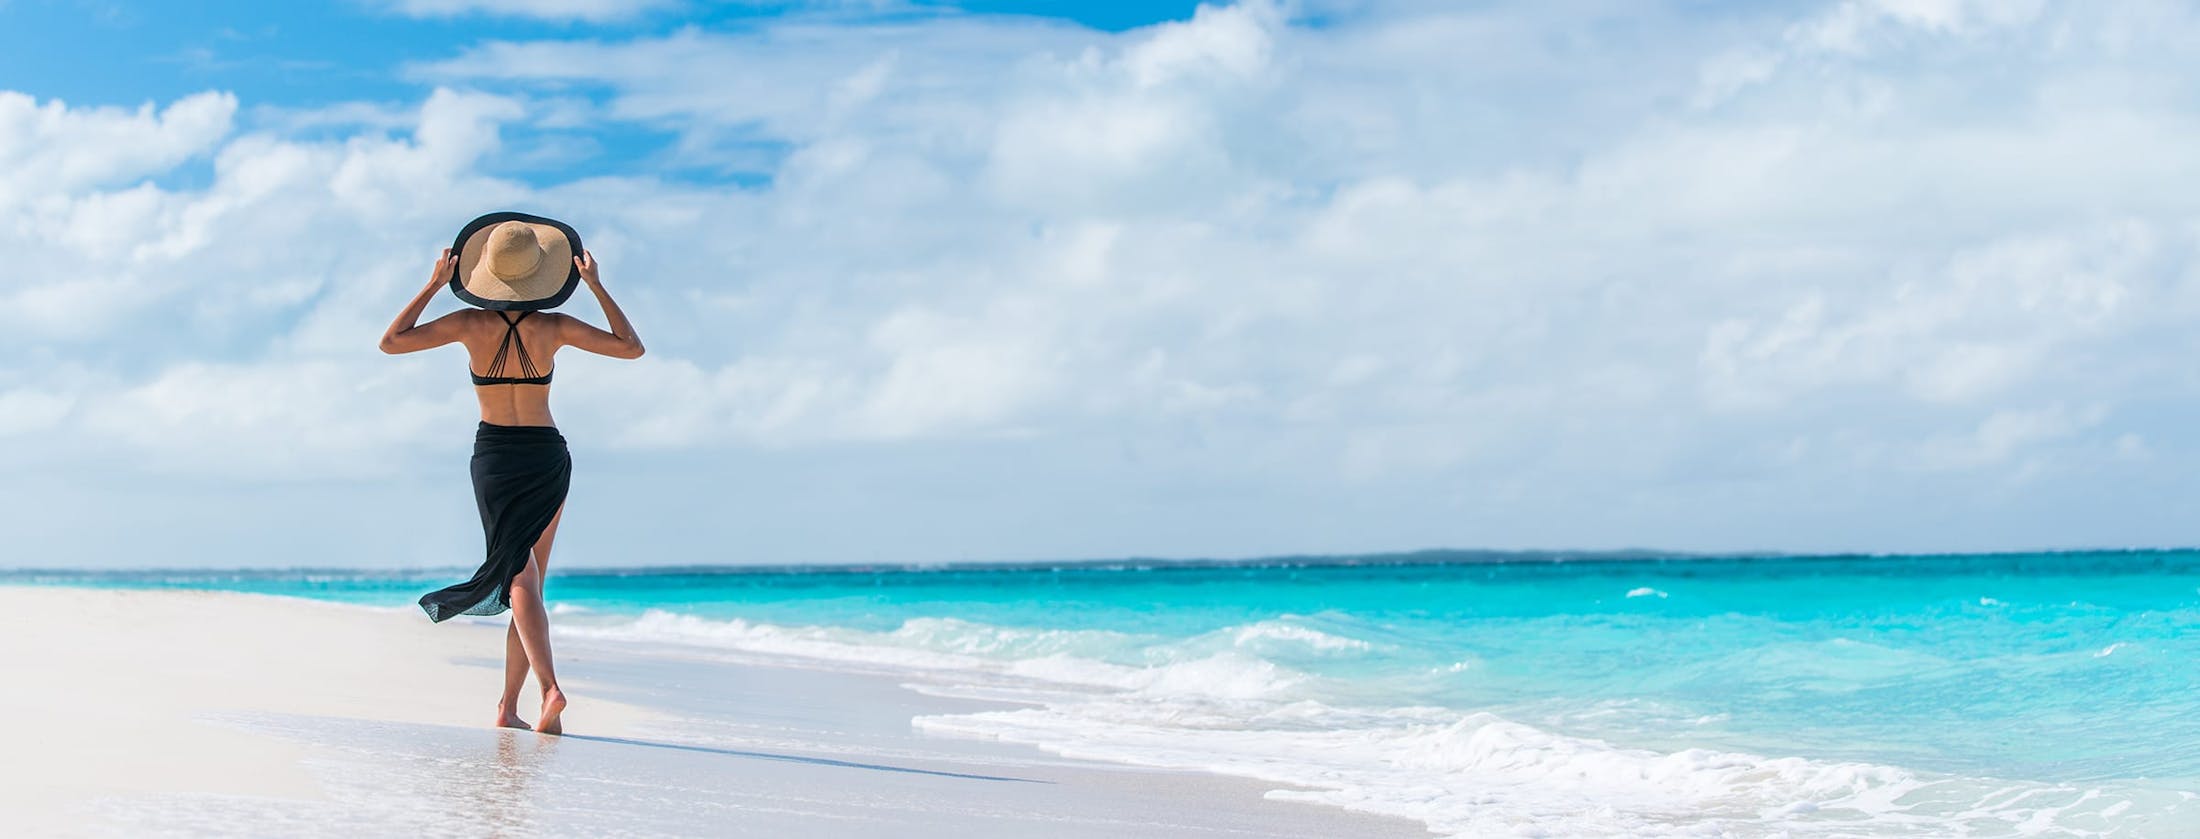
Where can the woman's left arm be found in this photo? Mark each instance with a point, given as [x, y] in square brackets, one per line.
[404, 336]
[621, 341]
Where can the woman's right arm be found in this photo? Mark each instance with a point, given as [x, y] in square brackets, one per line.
[405, 336]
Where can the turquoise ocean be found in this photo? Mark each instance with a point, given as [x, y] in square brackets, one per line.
[1500, 694]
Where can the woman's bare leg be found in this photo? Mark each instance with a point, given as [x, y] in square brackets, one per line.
[515, 652]
[515, 677]
[532, 619]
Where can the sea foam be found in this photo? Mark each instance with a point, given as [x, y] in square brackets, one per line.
[1215, 703]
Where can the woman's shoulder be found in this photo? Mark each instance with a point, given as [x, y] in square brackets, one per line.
[553, 321]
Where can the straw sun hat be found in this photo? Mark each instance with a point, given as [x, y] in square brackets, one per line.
[515, 262]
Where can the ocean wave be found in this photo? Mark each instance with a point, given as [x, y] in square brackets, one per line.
[1228, 701]
[1062, 657]
[1270, 632]
[1223, 674]
[828, 644]
[1478, 774]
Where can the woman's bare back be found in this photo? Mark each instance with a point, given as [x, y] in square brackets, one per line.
[540, 335]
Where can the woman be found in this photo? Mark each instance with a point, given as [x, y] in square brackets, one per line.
[504, 263]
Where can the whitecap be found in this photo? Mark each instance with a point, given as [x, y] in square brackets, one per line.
[1478, 774]
[1254, 634]
[1186, 705]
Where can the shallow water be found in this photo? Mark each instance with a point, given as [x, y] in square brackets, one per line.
[1986, 695]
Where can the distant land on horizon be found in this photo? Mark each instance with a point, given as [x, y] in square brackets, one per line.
[1417, 558]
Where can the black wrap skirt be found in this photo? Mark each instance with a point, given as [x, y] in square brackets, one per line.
[521, 473]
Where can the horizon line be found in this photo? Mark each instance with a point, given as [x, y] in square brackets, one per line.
[1426, 557]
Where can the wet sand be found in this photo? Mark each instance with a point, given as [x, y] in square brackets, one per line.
[203, 713]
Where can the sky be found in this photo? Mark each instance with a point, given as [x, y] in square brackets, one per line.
[940, 281]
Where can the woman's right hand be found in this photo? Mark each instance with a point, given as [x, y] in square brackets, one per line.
[443, 267]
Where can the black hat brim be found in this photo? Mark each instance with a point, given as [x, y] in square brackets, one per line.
[572, 274]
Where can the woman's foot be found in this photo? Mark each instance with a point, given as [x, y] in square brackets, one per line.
[553, 704]
[507, 718]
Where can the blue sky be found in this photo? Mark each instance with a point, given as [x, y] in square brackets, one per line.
[96, 51]
[1023, 281]
[300, 55]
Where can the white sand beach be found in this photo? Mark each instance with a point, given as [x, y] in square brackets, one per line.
[202, 713]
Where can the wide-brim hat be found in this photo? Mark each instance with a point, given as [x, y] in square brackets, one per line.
[515, 262]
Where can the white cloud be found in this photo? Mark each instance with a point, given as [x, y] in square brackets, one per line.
[2007, 434]
[1985, 322]
[1846, 27]
[279, 419]
[1851, 30]
[27, 411]
[948, 372]
[279, 218]
[1219, 41]
[52, 148]
[593, 11]
[1527, 280]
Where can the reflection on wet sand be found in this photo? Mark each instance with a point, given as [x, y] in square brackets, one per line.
[396, 778]
[410, 779]
[497, 800]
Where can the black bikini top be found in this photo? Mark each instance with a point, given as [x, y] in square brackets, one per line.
[526, 365]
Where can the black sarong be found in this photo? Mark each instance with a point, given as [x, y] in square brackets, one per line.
[521, 473]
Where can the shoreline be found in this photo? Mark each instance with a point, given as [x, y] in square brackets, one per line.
[193, 712]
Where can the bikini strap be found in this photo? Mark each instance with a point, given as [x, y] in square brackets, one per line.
[513, 341]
